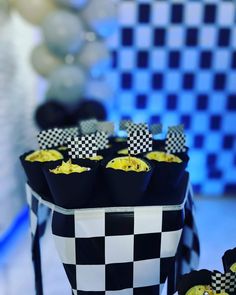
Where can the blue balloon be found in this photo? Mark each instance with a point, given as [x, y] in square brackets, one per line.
[76, 4]
[63, 32]
[66, 84]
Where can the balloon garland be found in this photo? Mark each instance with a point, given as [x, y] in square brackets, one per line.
[73, 51]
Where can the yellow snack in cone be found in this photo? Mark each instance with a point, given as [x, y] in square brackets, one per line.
[96, 158]
[233, 267]
[128, 164]
[44, 156]
[163, 157]
[68, 168]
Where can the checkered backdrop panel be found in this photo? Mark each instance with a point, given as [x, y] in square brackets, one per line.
[174, 62]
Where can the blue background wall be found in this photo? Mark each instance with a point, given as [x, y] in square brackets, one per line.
[175, 61]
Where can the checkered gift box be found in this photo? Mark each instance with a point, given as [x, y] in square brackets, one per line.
[82, 147]
[50, 138]
[224, 282]
[139, 141]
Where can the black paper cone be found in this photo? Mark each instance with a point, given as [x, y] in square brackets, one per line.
[229, 258]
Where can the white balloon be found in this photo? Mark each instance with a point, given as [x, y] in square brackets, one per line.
[66, 84]
[102, 16]
[63, 32]
[95, 57]
[76, 4]
[34, 11]
[43, 61]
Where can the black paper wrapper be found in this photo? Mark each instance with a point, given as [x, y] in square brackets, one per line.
[64, 152]
[166, 176]
[229, 258]
[194, 278]
[36, 177]
[126, 187]
[71, 191]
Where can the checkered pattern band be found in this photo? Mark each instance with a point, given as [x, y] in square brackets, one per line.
[107, 127]
[175, 142]
[131, 127]
[156, 128]
[118, 252]
[177, 128]
[123, 124]
[70, 132]
[50, 138]
[88, 126]
[224, 282]
[82, 147]
[139, 141]
[102, 140]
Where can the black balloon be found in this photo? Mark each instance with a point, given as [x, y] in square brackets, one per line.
[88, 109]
[52, 114]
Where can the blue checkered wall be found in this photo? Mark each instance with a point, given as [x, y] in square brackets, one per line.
[175, 61]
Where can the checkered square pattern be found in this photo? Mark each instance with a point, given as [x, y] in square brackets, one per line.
[88, 126]
[102, 140]
[132, 127]
[50, 138]
[175, 141]
[174, 62]
[139, 141]
[106, 253]
[123, 124]
[224, 282]
[70, 132]
[82, 147]
[156, 128]
[107, 127]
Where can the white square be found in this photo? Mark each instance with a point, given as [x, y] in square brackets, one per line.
[120, 292]
[193, 13]
[90, 277]
[147, 220]
[119, 249]
[142, 81]
[226, 13]
[204, 81]
[190, 60]
[143, 37]
[208, 37]
[160, 13]
[90, 224]
[173, 81]
[127, 13]
[221, 60]
[66, 249]
[126, 59]
[159, 59]
[176, 37]
[169, 243]
[146, 273]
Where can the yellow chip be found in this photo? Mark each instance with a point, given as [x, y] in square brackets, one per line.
[44, 156]
[68, 168]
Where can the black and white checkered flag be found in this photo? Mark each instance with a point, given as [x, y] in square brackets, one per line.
[175, 141]
[106, 126]
[139, 141]
[123, 124]
[70, 132]
[223, 282]
[131, 127]
[177, 128]
[82, 147]
[88, 126]
[50, 138]
[102, 140]
[156, 128]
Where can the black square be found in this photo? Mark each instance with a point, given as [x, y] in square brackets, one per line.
[166, 265]
[210, 14]
[202, 102]
[34, 205]
[188, 81]
[142, 59]
[228, 141]
[206, 59]
[127, 37]
[144, 13]
[90, 250]
[141, 101]
[231, 103]
[211, 160]
[177, 13]
[157, 81]
[152, 290]
[126, 81]
[117, 224]
[91, 293]
[174, 59]
[155, 119]
[119, 276]
[70, 270]
[114, 58]
[219, 81]
[215, 122]
[233, 60]
[63, 225]
[159, 37]
[147, 246]
[172, 220]
[191, 37]
[199, 141]
[224, 37]
[171, 102]
[186, 120]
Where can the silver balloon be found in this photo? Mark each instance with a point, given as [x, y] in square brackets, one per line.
[95, 57]
[76, 4]
[101, 16]
[43, 61]
[66, 84]
[63, 32]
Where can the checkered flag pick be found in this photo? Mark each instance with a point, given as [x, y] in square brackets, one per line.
[82, 147]
[178, 128]
[106, 126]
[102, 140]
[175, 141]
[88, 126]
[70, 132]
[124, 124]
[50, 138]
[131, 127]
[223, 282]
[156, 128]
[139, 141]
